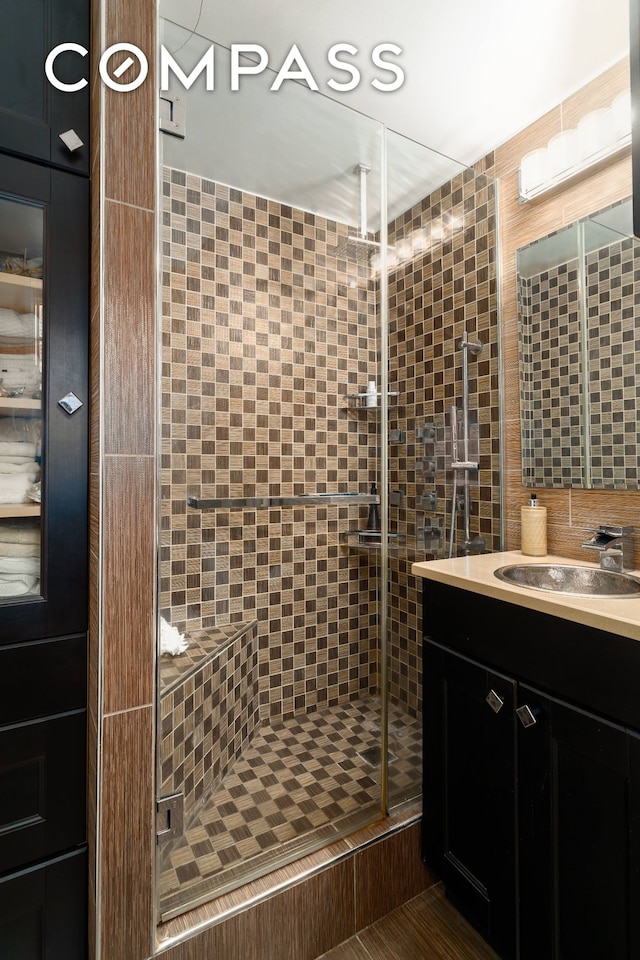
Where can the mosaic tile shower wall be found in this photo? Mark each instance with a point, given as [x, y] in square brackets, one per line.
[209, 711]
[264, 333]
[447, 283]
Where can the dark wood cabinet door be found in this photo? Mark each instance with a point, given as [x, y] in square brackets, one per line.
[33, 113]
[579, 813]
[43, 911]
[469, 784]
[42, 789]
[44, 348]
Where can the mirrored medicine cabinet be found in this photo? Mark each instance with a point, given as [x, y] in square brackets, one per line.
[578, 295]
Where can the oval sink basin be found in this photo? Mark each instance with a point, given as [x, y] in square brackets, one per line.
[570, 580]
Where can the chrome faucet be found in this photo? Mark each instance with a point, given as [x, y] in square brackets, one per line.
[614, 545]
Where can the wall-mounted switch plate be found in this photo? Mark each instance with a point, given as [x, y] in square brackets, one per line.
[397, 436]
[173, 115]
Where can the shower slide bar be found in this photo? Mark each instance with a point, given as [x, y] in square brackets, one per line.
[303, 500]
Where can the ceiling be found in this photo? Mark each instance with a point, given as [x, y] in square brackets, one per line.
[475, 74]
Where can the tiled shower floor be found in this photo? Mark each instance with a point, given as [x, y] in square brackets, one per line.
[300, 784]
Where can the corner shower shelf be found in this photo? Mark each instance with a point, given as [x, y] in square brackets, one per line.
[302, 500]
[370, 540]
[358, 401]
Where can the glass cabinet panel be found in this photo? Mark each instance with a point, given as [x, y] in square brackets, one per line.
[21, 354]
[44, 321]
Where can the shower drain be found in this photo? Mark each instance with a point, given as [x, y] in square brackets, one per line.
[373, 756]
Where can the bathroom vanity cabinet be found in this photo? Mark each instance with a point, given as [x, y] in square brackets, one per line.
[44, 320]
[33, 112]
[532, 776]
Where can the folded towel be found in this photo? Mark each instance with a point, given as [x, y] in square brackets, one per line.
[14, 487]
[19, 531]
[13, 324]
[16, 585]
[8, 316]
[15, 565]
[19, 549]
[19, 448]
[10, 466]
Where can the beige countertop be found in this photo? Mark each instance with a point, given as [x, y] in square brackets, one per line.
[476, 574]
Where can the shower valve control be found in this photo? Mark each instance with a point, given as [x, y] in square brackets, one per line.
[426, 433]
[428, 501]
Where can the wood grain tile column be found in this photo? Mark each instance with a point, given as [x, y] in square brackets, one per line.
[123, 472]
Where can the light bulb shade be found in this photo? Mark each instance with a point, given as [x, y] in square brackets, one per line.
[561, 153]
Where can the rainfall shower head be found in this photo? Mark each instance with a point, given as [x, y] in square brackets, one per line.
[357, 246]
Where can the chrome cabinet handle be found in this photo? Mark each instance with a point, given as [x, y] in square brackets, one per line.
[495, 701]
[526, 716]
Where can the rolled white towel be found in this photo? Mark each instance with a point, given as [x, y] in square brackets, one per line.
[171, 640]
[16, 585]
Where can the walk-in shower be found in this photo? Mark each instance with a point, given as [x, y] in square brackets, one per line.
[293, 715]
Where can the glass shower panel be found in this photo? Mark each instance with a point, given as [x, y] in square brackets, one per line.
[440, 281]
[269, 593]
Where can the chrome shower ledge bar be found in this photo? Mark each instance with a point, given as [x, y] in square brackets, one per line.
[302, 500]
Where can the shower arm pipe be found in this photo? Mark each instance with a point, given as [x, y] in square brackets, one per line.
[303, 500]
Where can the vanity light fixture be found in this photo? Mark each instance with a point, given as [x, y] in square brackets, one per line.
[599, 136]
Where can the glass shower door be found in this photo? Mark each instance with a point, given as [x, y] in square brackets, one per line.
[269, 668]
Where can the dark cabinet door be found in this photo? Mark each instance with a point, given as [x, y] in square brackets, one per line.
[33, 112]
[469, 800]
[44, 266]
[43, 911]
[579, 814]
[42, 792]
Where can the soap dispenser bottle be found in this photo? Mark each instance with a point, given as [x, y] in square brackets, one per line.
[533, 529]
[373, 520]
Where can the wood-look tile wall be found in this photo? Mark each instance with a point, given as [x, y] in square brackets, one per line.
[571, 512]
[123, 495]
